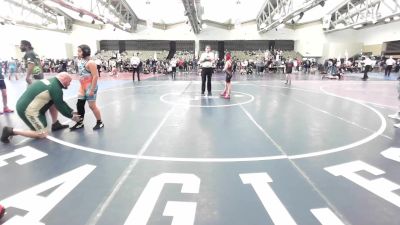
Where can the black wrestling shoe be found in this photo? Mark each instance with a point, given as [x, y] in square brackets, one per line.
[98, 126]
[58, 126]
[77, 126]
[7, 133]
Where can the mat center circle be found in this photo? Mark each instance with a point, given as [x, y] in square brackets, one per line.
[195, 99]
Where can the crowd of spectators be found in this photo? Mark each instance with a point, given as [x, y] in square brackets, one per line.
[244, 62]
[357, 64]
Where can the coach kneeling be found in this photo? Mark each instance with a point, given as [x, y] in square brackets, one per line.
[34, 103]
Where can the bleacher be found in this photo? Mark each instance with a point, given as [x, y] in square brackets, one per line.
[161, 55]
[186, 55]
[147, 49]
[291, 55]
[242, 55]
[240, 49]
[252, 55]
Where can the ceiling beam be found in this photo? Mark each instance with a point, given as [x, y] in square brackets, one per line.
[193, 17]
[74, 21]
[276, 12]
[86, 12]
[123, 11]
[32, 10]
[46, 13]
[88, 25]
[361, 14]
[68, 20]
[30, 25]
[226, 26]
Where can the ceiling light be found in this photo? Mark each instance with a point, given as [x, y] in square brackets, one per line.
[263, 25]
[301, 15]
[387, 20]
[357, 26]
[396, 17]
[93, 21]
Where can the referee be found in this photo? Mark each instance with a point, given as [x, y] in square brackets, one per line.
[389, 65]
[206, 61]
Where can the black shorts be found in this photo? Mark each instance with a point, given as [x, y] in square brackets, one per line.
[2, 84]
[228, 78]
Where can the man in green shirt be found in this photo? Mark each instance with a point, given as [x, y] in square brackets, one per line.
[32, 61]
[34, 103]
[3, 89]
[34, 69]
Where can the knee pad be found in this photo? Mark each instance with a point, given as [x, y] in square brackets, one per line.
[80, 106]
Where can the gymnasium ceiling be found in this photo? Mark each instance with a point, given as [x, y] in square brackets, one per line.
[162, 14]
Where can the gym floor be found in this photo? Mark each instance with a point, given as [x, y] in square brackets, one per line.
[316, 152]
